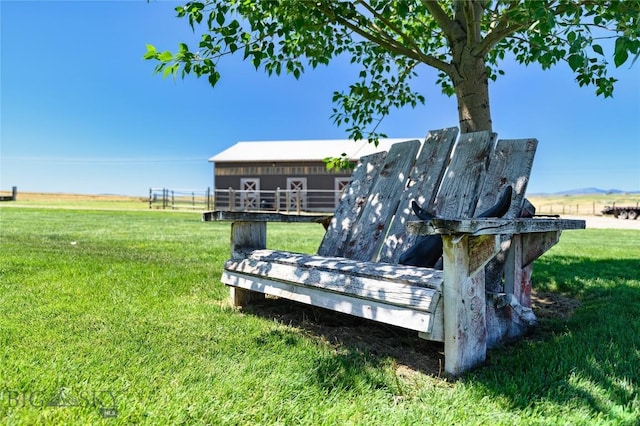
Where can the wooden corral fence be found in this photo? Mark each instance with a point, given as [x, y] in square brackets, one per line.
[579, 207]
[164, 198]
[12, 197]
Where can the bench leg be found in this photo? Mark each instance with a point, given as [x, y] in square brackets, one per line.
[241, 297]
[246, 237]
[463, 291]
[517, 278]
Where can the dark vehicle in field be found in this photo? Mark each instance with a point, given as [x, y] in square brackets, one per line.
[622, 212]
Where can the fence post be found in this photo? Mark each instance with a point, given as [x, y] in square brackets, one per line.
[232, 200]
[14, 193]
[277, 199]
[288, 200]
[298, 202]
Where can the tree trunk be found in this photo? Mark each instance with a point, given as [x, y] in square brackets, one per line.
[472, 92]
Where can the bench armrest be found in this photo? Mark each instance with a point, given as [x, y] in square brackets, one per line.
[219, 215]
[490, 226]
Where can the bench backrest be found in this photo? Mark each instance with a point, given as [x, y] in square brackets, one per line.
[447, 178]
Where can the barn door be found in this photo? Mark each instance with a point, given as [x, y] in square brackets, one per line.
[297, 189]
[250, 193]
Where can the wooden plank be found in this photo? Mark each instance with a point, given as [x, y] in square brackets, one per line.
[437, 324]
[488, 226]
[400, 285]
[351, 205]
[481, 249]
[377, 311]
[370, 230]
[241, 297]
[246, 237]
[535, 245]
[464, 299]
[418, 298]
[510, 164]
[423, 185]
[464, 176]
[220, 215]
[517, 275]
[422, 277]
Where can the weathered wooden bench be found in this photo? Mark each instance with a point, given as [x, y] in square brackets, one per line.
[482, 295]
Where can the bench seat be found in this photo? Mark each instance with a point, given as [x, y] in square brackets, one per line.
[400, 295]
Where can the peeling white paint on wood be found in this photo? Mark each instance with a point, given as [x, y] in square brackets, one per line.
[365, 308]
[370, 230]
[465, 335]
[490, 226]
[415, 288]
[423, 185]
[352, 203]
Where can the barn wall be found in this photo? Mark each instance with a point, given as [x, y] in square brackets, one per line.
[274, 175]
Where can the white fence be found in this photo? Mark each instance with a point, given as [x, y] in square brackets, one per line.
[280, 200]
[163, 198]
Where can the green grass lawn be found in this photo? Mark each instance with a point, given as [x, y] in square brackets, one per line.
[119, 318]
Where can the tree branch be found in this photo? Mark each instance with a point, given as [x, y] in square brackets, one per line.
[388, 43]
[474, 18]
[503, 29]
[495, 36]
[409, 40]
[448, 25]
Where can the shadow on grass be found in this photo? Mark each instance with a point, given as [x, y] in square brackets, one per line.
[354, 339]
[590, 356]
[590, 360]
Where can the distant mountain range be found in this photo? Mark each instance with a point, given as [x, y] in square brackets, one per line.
[587, 191]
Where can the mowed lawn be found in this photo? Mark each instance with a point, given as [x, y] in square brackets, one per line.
[114, 317]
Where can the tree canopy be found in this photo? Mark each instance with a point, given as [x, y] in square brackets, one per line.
[466, 41]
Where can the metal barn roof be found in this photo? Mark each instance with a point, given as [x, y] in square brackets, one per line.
[301, 150]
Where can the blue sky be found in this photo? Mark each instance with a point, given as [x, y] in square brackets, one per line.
[82, 112]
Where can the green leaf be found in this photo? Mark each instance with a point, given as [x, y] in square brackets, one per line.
[256, 61]
[575, 62]
[620, 58]
[151, 52]
[621, 54]
[213, 78]
[168, 70]
[598, 49]
[165, 56]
